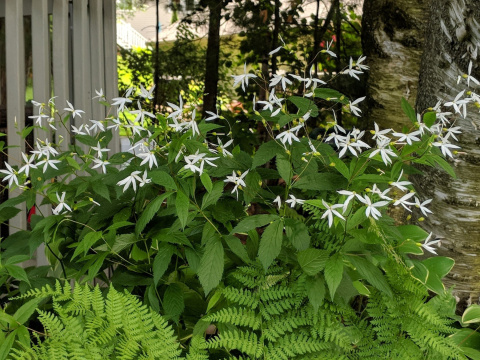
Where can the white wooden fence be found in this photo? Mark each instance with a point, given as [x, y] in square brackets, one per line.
[77, 57]
[128, 37]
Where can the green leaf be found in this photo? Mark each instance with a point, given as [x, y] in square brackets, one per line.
[97, 264]
[331, 95]
[211, 265]
[212, 197]
[410, 247]
[467, 338]
[371, 273]
[163, 179]
[429, 118]
[420, 271]
[173, 301]
[409, 111]
[217, 295]
[265, 153]
[71, 161]
[362, 289]
[8, 213]
[206, 181]
[333, 273]
[253, 222]
[312, 261]
[15, 259]
[271, 243]
[316, 291]
[439, 265]
[17, 272]
[182, 204]
[237, 247]
[26, 310]
[284, 168]
[150, 210]
[304, 105]
[161, 262]
[101, 189]
[340, 166]
[86, 243]
[471, 315]
[123, 241]
[320, 181]
[7, 344]
[412, 232]
[297, 233]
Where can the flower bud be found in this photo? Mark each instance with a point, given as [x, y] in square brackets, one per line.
[421, 219]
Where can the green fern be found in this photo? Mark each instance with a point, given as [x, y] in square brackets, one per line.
[87, 326]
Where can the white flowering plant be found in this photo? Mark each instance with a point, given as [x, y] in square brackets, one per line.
[173, 216]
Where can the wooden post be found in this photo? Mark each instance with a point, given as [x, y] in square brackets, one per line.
[97, 56]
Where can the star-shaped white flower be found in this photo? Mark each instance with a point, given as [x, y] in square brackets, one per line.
[61, 205]
[293, 201]
[11, 175]
[428, 245]
[74, 112]
[237, 180]
[243, 78]
[130, 180]
[331, 211]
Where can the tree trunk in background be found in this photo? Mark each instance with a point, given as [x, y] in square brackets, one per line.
[213, 56]
[392, 40]
[452, 36]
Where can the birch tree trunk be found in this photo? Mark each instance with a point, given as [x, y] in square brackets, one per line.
[392, 40]
[452, 37]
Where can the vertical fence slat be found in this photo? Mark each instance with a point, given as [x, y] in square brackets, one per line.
[15, 66]
[41, 85]
[81, 63]
[96, 54]
[110, 53]
[61, 74]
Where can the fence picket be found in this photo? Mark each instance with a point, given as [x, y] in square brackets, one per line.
[61, 74]
[97, 58]
[41, 87]
[110, 54]
[15, 67]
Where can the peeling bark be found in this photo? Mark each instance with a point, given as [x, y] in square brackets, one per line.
[452, 36]
[392, 40]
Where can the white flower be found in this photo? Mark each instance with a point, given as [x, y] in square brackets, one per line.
[131, 179]
[403, 200]
[237, 180]
[289, 135]
[350, 195]
[72, 110]
[372, 207]
[470, 77]
[400, 184]
[146, 94]
[100, 94]
[458, 104]
[351, 71]
[148, 157]
[121, 103]
[384, 151]
[28, 164]
[11, 175]
[61, 205]
[427, 244]
[328, 51]
[359, 63]
[222, 148]
[79, 131]
[422, 206]
[331, 211]
[409, 138]
[97, 126]
[144, 179]
[445, 146]
[243, 78]
[280, 79]
[178, 109]
[278, 201]
[354, 109]
[380, 134]
[141, 114]
[48, 163]
[101, 163]
[99, 150]
[380, 193]
[38, 118]
[116, 124]
[294, 201]
[213, 116]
